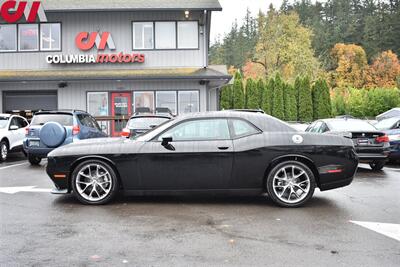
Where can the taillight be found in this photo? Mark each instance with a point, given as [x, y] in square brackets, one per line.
[26, 131]
[75, 130]
[126, 132]
[382, 139]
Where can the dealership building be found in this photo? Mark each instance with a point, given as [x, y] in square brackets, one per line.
[108, 57]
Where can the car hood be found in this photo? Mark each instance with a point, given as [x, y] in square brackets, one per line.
[98, 146]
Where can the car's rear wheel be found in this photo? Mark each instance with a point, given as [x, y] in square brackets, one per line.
[3, 151]
[94, 182]
[34, 160]
[290, 184]
[377, 165]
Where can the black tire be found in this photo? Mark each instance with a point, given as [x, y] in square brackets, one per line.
[276, 170]
[114, 185]
[377, 165]
[34, 160]
[3, 151]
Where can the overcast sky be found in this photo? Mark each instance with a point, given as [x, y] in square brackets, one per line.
[236, 9]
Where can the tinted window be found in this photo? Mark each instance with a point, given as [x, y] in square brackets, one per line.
[21, 122]
[3, 122]
[145, 123]
[85, 120]
[63, 119]
[350, 125]
[243, 128]
[197, 130]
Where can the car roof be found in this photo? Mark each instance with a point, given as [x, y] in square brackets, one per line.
[5, 115]
[264, 122]
[61, 111]
[150, 115]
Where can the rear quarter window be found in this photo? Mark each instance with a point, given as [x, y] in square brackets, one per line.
[63, 119]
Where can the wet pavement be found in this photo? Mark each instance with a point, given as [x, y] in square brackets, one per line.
[40, 229]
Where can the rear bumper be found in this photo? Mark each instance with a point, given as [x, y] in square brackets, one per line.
[369, 154]
[336, 184]
[37, 151]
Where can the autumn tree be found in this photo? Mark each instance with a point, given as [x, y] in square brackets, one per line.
[284, 46]
[350, 64]
[384, 71]
[252, 70]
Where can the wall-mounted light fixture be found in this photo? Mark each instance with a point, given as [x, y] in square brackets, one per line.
[187, 14]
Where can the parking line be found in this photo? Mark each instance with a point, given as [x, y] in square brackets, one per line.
[15, 165]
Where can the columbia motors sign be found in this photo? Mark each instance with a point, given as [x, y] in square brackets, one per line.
[15, 11]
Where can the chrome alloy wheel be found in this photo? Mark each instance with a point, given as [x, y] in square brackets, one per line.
[93, 182]
[291, 184]
[4, 151]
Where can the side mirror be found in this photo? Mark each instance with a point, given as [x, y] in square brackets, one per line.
[14, 127]
[166, 143]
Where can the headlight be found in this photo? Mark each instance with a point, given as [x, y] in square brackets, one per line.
[395, 137]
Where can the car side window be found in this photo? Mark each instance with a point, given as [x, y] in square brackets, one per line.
[199, 130]
[22, 123]
[85, 120]
[94, 123]
[317, 127]
[14, 122]
[309, 128]
[242, 128]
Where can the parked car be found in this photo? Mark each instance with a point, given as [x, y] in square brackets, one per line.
[218, 152]
[391, 127]
[51, 129]
[372, 145]
[12, 134]
[139, 124]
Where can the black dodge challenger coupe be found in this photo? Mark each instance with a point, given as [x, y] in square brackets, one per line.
[219, 152]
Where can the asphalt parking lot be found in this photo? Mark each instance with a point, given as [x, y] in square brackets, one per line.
[40, 229]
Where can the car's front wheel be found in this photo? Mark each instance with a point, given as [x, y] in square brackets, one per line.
[34, 160]
[290, 184]
[3, 151]
[377, 165]
[94, 182]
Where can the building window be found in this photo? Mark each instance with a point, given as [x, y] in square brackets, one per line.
[166, 99]
[188, 101]
[28, 37]
[143, 35]
[165, 35]
[50, 37]
[188, 35]
[143, 100]
[97, 103]
[8, 38]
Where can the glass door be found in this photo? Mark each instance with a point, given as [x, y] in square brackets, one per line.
[121, 107]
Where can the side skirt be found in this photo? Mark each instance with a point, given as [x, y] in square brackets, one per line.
[236, 192]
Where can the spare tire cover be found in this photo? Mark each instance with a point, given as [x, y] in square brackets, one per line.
[52, 134]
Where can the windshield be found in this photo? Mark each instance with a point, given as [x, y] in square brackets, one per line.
[155, 131]
[145, 122]
[386, 124]
[350, 125]
[63, 119]
[3, 122]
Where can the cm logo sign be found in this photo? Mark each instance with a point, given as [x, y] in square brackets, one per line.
[86, 41]
[12, 11]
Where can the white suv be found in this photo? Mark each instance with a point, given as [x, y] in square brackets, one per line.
[12, 133]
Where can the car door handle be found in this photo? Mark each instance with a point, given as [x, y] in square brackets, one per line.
[223, 147]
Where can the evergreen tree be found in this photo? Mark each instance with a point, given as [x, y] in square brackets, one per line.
[225, 100]
[278, 106]
[268, 96]
[238, 92]
[305, 105]
[290, 103]
[322, 107]
[252, 95]
[260, 93]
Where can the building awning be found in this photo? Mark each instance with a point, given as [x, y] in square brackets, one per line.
[206, 74]
[129, 5]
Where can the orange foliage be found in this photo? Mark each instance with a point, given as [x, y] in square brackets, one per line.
[351, 62]
[253, 70]
[232, 70]
[384, 70]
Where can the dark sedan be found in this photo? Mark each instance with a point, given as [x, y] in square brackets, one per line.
[391, 127]
[218, 152]
[372, 146]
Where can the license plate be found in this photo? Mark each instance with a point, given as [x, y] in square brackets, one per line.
[363, 141]
[34, 143]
